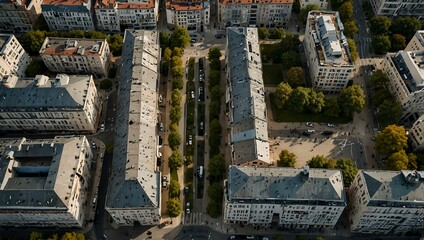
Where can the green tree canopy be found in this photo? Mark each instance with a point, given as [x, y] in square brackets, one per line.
[303, 13]
[289, 42]
[180, 37]
[392, 139]
[216, 192]
[72, 236]
[290, 59]
[348, 168]
[263, 33]
[299, 99]
[282, 94]
[346, 11]
[332, 108]
[176, 61]
[32, 41]
[175, 161]
[287, 159]
[174, 140]
[214, 53]
[35, 67]
[406, 26]
[216, 168]
[379, 80]
[389, 112]
[398, 42]
[296, 77]
[177, 52]
[176, 97]
[277, 33]
[177, 72]
[215, 93]
[319, 161]
[214, 78]
[115, 44]
[350, 28]
[173, 207]
[177, 83]
[164, 39]
[351, 99]
[353, 49]
[174, 189]
[380, 25]
[412, 161]
[175, 114]
[397, 161]
[214, 209]
[167, 54]
[381, 44]
[316, 101]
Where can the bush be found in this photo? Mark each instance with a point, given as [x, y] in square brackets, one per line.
[174, 189]
[106, 84]
[35, 67]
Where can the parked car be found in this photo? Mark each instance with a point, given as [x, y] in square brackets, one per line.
[186, 190]
[327, 133]
[190, 139]
[309, 124]
[188, 208]
[330, 125]
[311, 131]
[164, 181]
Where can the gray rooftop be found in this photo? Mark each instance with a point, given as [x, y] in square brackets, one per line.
[394, 188]
[135, 182]
[288, 184]
[41, 92]
[73, 46]
[249, 127]
[410, 65]
[39, 173]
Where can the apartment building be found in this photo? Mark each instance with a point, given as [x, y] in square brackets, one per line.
[13, 58]
[322, 4]
[116, 16]
[293, 198]
[262, 13]
[65, 15]
[18, 15]
[398, 8]
[134, 192]
[193, 15]
[76, 55]
[327, 52]
[386, 202]
[61, 104]
[417, 42]
[44, 182]
[246, 99]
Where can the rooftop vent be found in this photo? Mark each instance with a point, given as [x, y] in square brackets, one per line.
[305, 171]
[411, 176]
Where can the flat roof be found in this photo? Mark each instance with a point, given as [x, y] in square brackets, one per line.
[290, 184]
[66, 2]
[145, 4]
[249, 127]
[40, 173]
[410, 65]
[256, 1]
[135, 182]
[73, 46]
[41, 92]
[331, 45]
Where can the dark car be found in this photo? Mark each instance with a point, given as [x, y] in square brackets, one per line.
[200, 64]
[327, 133]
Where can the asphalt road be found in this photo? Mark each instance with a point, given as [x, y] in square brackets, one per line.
[199, 232]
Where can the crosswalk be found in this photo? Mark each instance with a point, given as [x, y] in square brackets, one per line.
[194, 219]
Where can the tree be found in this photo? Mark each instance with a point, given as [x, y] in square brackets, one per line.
[348, 168]
[214, 109]
[214, 78]
[392, 139]
[296, 6]
[379, 80]
[398, 42]
[303, 13]
[216, 192]
[177, 83]
[389, 112]
[35, 67]
[174, 140]
[173, 127]
[381, 44]
[380, 95]
[95, 35]
[179, 37]
[397, 161]
[106, 84]
[177, 72]
[216, 168]
[346, 11]
[287, 159]
[164, 39]
[32, 41]
[215, 93]
[176, 97]
[412, 161]
[331, 107]
[351, 99]
[277, 33]
[173, 207]
[263, 33]
[353, 49]
[299, 99]
[215, 130]
[380, 25]
[350, 28]
[115, 44]
[176, 61]
[72, 236]
[282, 94]
[214, 209]
[290, 59]
[177, 52]
[316, 101]
[175, 114]
[40, 24]
[289, 42]
[175, 161]
[214, 53]
[76, 34]
[36, 236]
[174, 189]
[406, 26]
[320, 161]
[296, 77]
[167, 54]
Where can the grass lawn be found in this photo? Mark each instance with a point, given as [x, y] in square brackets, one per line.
[285, 115]
[272, 74]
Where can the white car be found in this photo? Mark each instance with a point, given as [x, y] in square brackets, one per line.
[94, 145]
[188, 208]
[311, 131]
[330, 125]
[190, 140]
[309, 124]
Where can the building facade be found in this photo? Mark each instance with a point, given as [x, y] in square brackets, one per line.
[13, 58]
[417, 42]
[61, 104]
[322, 4]
[194, 16]
[18, 15]
[68, 14]
[134, 193]
[327, 52]
[76, 55]
[398, 8]
[386, 202]
[116, 16]
[262, 13]
[44, 182]
[292, 198]
[245, 99]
